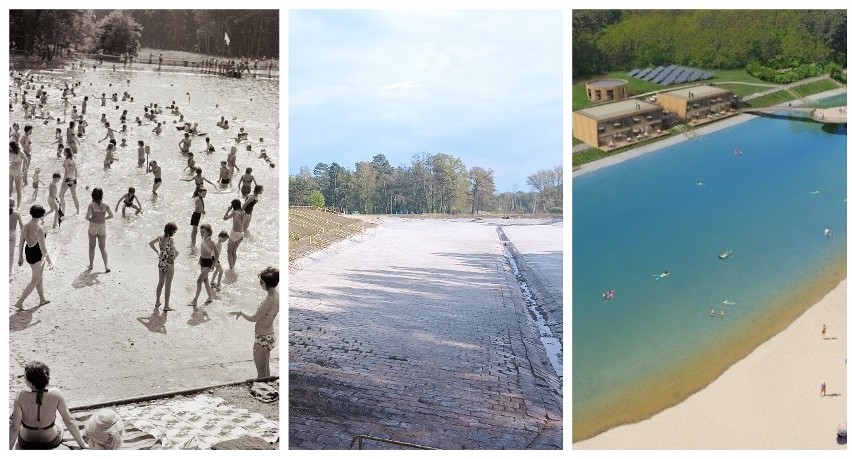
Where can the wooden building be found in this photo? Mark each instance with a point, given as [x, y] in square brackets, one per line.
[614, 125]
[698, 104]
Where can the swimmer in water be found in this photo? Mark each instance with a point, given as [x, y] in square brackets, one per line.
[728, 302]
[725, 254]
[712, 312]
[828, 232]
[660, 276]
[815, 192]
[699, 183]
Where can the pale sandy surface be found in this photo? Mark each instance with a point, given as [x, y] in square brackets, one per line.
[100, 334]
[769, 400]
[418, 333]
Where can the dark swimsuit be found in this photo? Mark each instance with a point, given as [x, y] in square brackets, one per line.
[24, 444]
[32, 253]
[248, 208]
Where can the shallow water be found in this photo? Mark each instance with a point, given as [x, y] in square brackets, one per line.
[248, 103]
[641, 217]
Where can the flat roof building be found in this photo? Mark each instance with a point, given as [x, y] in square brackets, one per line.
[606, 90]
[698, 104]
[611, 126]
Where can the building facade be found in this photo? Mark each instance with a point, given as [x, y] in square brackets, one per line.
[606, 90]
[698, 104]
[614, 125]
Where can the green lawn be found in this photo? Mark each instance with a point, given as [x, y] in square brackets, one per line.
[816, 87]
[575, 141]
[771, 99]
[742, 90]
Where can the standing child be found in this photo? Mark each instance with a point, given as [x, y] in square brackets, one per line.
[59, 149]
[224, 175]
[208, 254]
[199, 181]
[217, 266]
[245, 182]
[36, 182]
[110, 133]
[81, 127]
[53, 200]
[140, 159]
[196, 215]
[185, 144]
[158, 178]
[128, 199]
[110, 156]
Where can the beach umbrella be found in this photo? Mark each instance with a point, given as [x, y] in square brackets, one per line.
[841, 429]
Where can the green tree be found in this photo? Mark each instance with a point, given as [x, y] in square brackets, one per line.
[316, 199]
[119, 34]
[481, 189]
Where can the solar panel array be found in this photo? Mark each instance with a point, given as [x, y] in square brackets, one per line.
[673, 74]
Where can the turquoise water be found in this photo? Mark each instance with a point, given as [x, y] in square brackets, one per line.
[646, 215]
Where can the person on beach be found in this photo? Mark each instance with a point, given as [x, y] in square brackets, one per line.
[236, 214]
[232, 160]
[207, 255]
[70, 180]
[127, 201]
[84, 105]
[245, 182]
[26, 148]
[217, 266]
[823, 331]
[110, 156]
[264, 318]
[110, 134]
[185, 143]
[190, 163]
[53, 200]
[40, 432]
[224, 175]
[36, 182]
[166, 255]
[140, 154]
[158, 175]
[199, 180]
[15, 221]
[197, 213]
[105, 430]
[71, 138]
[248, 205]
[17, 164]
[97, 215]
[36, 254]
[822, 390]
[15, 133]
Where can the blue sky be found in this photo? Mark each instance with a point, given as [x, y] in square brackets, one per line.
[485, 86]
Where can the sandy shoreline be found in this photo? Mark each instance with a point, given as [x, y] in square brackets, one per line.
[769, 400]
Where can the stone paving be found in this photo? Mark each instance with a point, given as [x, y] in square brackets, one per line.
[418, 334]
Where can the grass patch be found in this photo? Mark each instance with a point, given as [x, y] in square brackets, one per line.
[743, 90]
[769, 100]
[575, 141]
[312, 230]
[815, 87]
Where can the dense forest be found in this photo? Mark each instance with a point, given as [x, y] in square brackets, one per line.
[432, 183]
[252, 33]
[613, 40]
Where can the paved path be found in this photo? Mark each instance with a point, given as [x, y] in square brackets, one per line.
[418, 334]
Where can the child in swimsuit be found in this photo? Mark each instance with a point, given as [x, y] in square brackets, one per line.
[190, 163]
[53, 200]
[217, 267]
[196, 215]
[110, 158]
[36, 182]
[207, 255]
[224, 175]
[128, 199]
[246, 181]
[185, 143]
[157, 170]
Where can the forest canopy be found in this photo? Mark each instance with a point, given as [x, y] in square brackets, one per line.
[613, 40]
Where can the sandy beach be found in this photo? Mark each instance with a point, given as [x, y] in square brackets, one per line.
[769, 400]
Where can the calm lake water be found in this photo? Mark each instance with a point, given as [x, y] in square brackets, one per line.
[677, 209]
[249, 103]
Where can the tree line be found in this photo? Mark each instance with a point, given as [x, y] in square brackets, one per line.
[252, 33]
[432, 183]
[617, 40]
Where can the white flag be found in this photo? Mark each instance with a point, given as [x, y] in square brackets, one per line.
[227, 40]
